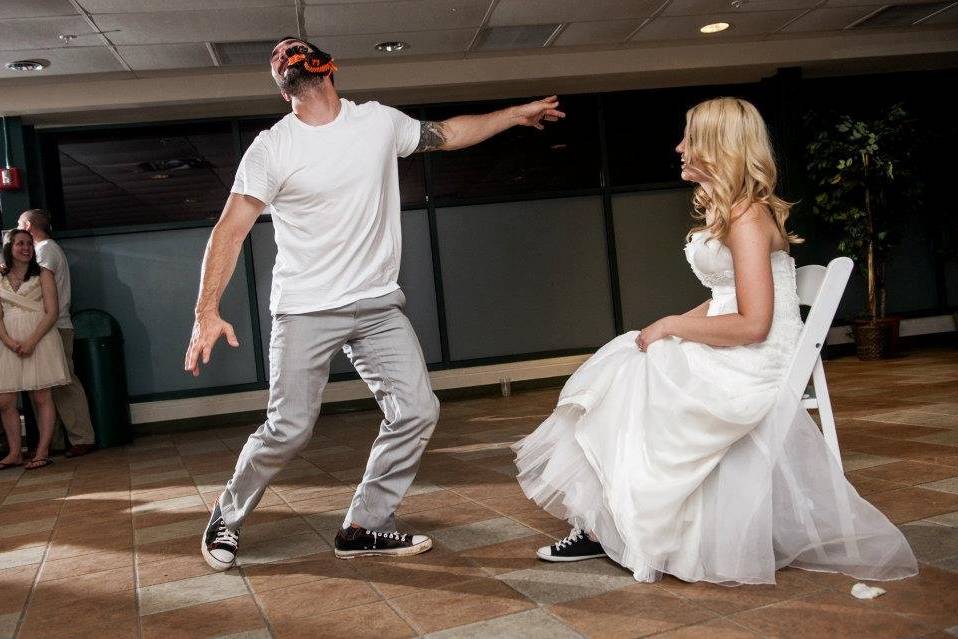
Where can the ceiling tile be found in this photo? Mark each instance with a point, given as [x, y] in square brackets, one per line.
[529, 36]
[172, 27]
[699, 7]
[599, 32]
[514, 12]
[406, 15]
[828, 19]
[687, 27]
[41, 33]
[65, 60]
[344, 47]
[35, 8]
[146, 6]
[901, 16]
[166, 56]
[945, 17]
[873, 3]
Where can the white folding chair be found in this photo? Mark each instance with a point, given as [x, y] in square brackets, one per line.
[821, 289]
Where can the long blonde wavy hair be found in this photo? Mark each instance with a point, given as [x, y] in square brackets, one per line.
[726, 140]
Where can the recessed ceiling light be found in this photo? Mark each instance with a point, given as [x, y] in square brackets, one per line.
[391, 47]
[715, 27]
[27, 65]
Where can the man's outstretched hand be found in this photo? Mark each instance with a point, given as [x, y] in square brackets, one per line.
[534, 113]
[207, 330]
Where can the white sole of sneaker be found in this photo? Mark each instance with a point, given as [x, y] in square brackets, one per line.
[212, 561]
[545, 556]
[418, 549]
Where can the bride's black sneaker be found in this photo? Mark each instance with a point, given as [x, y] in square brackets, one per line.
[576, 547]
[359, 542]
[219, 542]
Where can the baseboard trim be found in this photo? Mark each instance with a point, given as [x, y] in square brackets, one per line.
[909, 328]
[351, 390]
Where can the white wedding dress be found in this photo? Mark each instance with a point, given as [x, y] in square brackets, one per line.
[697, 461]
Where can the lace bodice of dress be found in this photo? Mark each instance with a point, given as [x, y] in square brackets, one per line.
[711, 261]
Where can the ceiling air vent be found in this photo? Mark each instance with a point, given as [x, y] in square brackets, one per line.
[240, 53]
[901, 15]
[529, 36]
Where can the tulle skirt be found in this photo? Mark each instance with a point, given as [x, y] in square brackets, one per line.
[680, 464]
[46, 367]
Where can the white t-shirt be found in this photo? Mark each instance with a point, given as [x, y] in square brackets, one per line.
[333, 191]
[51, 256]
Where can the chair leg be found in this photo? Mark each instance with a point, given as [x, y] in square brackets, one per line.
[825, 409]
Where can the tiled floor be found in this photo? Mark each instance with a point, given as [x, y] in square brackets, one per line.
[107, 546]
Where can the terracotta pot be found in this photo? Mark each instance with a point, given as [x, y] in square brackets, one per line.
[876, 339]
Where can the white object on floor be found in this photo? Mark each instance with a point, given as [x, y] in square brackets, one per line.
[864, 591]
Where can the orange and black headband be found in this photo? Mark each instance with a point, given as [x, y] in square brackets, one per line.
[311, 58]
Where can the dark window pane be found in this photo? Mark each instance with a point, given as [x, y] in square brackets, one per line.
[521, 161]
[644, 127]
[412, 175]
[145, 175]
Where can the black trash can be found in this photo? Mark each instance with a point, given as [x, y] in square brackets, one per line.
[101, 367]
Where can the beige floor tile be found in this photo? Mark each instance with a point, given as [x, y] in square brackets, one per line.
[368, 621]
[221, 618]
[8, 625]
[481, 533]
[459, 605]
[550, 583]
[949, 485]
[26, 527]
[634, 611]
[531, 624]
[191, 592]
[23, 557]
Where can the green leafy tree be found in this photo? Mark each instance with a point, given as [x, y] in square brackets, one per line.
[864, 174]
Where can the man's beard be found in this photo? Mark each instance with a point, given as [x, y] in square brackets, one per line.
[296, 81]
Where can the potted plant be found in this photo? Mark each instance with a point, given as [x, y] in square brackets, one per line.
[862, 170]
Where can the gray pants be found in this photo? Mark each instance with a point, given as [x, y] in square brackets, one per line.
[380, 342]
[70, 400]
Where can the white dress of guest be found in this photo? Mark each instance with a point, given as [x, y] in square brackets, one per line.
[46, 367]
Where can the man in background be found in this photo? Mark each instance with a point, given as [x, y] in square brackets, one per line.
[70, 400]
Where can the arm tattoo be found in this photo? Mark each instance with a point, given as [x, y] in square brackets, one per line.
[432, 136]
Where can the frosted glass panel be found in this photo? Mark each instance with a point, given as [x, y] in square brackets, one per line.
[148, 281]
[415, 277]
[654, 278]
[525, 277]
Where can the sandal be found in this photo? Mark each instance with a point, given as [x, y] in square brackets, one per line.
[6, 465]
[38, 463]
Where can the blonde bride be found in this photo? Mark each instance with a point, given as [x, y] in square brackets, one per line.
[678, 449]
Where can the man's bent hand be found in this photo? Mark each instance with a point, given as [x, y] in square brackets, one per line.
[207, 330]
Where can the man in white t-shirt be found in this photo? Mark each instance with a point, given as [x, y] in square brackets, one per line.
[70, 400]
[328, 173]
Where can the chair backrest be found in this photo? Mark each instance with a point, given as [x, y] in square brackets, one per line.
[820, 288]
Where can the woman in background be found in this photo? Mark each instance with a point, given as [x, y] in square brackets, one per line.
[31, 356]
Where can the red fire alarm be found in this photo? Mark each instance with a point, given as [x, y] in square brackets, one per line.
[9, 178]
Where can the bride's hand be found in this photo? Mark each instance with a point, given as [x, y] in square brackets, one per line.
[652, 333]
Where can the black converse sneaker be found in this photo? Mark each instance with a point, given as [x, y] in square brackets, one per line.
[359, 542]
[576, 547]
[219, 542]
